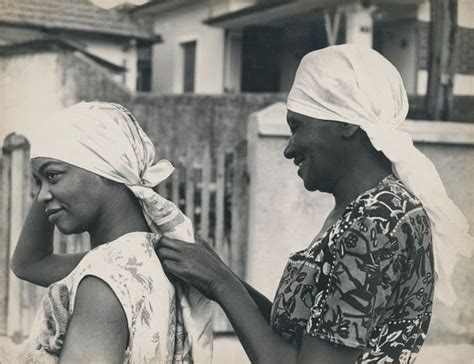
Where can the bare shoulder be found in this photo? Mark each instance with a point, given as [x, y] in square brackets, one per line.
[96, 298]
[98, 329]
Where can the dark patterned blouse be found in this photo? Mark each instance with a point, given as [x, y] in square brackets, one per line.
[367, 283]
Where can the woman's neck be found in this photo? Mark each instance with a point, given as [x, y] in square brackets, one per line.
[121, 216]
[364, 173]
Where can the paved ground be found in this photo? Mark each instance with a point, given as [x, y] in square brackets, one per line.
[229, 351]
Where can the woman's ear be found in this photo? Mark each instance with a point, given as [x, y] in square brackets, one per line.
[348, 130]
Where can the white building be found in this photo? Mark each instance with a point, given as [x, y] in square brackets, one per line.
[215, 46]
[111, 38]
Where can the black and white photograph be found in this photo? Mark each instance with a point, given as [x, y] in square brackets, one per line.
[237, 181]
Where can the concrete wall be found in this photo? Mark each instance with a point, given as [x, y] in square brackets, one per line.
[47, 81]
[120, 52]
[284, 217]
[184, 25]
[29, 85]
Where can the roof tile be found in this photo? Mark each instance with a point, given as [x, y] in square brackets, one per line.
[73, 15]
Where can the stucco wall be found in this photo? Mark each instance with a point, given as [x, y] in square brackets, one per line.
[29, 85]
[174, 122]
[284, 217]
[120, 52]
[46, 81]
[168, 57]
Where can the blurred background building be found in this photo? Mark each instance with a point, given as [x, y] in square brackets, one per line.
[216, 46]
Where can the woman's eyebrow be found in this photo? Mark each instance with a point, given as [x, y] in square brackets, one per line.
[47, 164]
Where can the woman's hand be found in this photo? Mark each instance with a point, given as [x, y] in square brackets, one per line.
[197, 264]
[33, 259]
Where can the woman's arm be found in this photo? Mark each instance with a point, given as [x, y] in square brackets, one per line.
[33, 259]
[263, 345]
[194, 264]
[98, 331]
[262, 302]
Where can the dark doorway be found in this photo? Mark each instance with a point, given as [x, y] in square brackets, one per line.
[189, 65]
[260, 59]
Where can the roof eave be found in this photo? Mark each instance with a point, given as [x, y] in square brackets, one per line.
[278, 9]
[270, 10]
[158, 6]
[51, 43]
[151, 39]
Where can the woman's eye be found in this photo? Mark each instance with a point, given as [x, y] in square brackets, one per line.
[52, 176]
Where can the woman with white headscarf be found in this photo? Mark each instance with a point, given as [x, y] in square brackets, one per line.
[363, 289]
[95, 170]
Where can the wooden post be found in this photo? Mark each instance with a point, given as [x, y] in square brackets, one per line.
[219, 227]
[17, 190]
[205, 193]
[332, 26]
[189, 190]
[175, 186]
[4, 246]
[440, 45]
[359, 23]
[239, 216]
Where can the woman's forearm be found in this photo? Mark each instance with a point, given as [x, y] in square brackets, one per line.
[260, 342]
[33, 259]
[35, 242]
[262, 302]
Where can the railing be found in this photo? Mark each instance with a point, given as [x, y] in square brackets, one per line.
[211, 190]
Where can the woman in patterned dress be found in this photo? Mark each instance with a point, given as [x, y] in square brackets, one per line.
[362, 291]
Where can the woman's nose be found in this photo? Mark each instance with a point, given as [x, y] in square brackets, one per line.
[289, 150]
[44, 194]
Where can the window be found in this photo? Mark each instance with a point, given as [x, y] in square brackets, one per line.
[189, 65]
[144, 68]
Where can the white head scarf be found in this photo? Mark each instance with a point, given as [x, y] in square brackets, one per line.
[106, 139]
[356, 85]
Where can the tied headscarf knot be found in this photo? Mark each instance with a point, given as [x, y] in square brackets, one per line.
[155, 174]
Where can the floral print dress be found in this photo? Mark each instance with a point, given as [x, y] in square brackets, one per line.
[367, 283]
[130, 266]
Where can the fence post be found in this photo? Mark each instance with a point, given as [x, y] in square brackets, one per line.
[4, 246]
[205, 193]
[239, 214]
[16, 195]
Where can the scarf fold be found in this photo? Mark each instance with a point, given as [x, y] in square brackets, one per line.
[356, 85]
[106, 139]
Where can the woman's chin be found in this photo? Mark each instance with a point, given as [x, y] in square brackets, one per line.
[67, 229]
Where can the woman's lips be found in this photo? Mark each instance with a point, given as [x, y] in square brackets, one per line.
[53, 214]
[300, 165]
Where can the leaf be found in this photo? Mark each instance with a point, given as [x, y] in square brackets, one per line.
[394, 335]
[301, 276]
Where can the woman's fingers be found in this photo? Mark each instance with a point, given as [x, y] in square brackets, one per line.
[165, 253]
[171, 267]
[171, 243]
